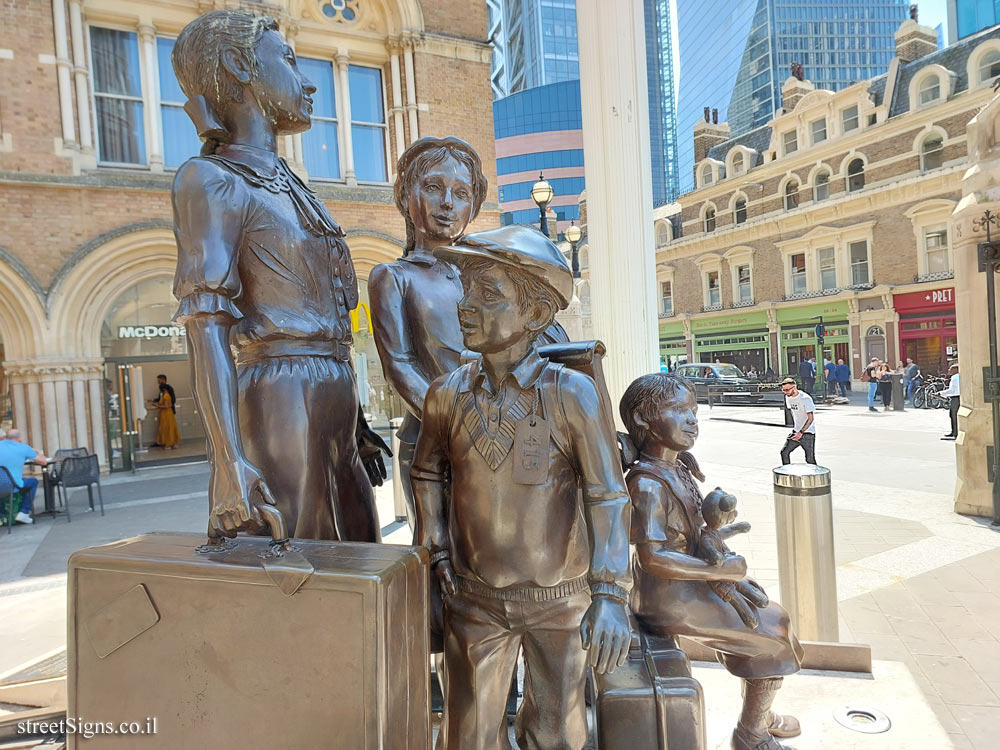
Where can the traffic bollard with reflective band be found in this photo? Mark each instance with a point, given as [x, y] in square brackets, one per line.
[803, 509]
[398, 501]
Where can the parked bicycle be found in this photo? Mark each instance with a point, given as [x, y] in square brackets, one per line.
[926, 397]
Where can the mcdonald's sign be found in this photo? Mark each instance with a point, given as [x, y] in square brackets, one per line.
[356, 319]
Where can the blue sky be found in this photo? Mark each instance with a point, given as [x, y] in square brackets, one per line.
[934, 12]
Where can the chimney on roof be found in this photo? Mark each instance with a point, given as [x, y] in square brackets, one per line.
[709, 133]
[914, 41]
[715, 117]
[707, 114]
[794, 88]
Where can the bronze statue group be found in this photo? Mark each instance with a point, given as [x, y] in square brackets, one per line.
[513, 472]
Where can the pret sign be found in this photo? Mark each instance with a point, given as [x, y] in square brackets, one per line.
[931, 299]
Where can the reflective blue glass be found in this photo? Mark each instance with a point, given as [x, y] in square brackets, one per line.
[180, 140]
[320, 150]
[369, 153]
[170, 90]
[320, 73]
[366, 94]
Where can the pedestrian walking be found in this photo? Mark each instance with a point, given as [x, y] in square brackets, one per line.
[807, 374]
[843, 373]
[953, 394]
[911, 373]
[885, 385]
[870, 376]
[829, 377]
[803, 410]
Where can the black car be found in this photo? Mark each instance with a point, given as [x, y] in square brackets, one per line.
[729, 384]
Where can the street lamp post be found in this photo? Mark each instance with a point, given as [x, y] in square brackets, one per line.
[573, 235]
[541, 193]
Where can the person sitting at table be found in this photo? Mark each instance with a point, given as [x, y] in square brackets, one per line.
[13, 455]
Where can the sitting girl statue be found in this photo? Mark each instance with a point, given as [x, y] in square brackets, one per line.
[675, 590]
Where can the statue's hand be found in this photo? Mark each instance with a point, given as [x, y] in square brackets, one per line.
[233, 489]
[445, 578]
[371, 446]
[606, 633]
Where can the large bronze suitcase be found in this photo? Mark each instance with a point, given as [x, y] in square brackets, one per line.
[214, 648]
[652, 702]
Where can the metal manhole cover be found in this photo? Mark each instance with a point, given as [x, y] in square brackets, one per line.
[862, 719]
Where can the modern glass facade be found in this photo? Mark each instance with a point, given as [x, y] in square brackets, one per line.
[754, 43]
[662, 104]
[966, 17]
[537, 42]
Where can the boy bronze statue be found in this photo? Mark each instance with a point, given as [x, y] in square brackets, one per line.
[521, 561]
[674, 592]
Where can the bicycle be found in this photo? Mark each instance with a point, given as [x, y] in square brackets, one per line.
[927, 396]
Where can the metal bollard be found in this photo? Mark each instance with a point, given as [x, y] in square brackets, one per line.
[898, 394]
[398, 503]
[803, 510]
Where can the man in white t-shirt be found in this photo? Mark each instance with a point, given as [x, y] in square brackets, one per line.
[803, 410]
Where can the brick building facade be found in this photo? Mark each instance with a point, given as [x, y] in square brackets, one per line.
[91, 131]
[839, 207]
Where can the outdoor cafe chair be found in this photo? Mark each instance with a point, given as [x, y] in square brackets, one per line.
[82, 471]
[55, 469]
[10, 491]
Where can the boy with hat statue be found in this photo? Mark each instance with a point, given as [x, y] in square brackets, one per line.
[521, 561]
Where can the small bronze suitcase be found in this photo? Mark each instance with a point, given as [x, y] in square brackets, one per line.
[214, 648]
[652, 702]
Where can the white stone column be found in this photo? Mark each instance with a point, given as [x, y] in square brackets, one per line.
[95, 387]
[20, 417]
[80, 75]
[80, 438]
[411, 88]
[397, 97]
[151, 97]
[51, 444]
[346, 138]
[63, 413]
[34, 413]
[619, 187]
[63, 67]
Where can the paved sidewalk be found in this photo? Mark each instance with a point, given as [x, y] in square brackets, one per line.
[917, 582]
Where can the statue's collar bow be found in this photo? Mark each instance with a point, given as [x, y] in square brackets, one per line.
[260, 161]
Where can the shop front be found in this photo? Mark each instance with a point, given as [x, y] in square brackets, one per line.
[927, 332]
[741, 340]
[799, 342]
[673, 345]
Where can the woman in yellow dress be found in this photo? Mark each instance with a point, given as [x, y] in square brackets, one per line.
[167, 434]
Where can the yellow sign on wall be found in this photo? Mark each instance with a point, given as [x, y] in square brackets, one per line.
[356, 318]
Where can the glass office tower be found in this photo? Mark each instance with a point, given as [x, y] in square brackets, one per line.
[966, 17]
[753, 44]
[662, 104]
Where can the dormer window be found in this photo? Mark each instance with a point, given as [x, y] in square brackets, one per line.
[706, 174]
[849, 118]
[930, 89]
[737, 163]
[790, 140]
[819, 131]
[989, 66]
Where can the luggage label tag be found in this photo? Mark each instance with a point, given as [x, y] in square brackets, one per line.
[531, 451]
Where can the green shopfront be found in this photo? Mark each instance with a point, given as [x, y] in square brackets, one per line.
[798, 334]
[673, 345]
[741, 339]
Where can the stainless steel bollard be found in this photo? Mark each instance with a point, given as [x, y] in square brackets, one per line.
[803, 510]
[398, 503]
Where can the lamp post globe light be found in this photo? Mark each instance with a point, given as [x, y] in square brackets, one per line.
[541, 193]
[573, 235]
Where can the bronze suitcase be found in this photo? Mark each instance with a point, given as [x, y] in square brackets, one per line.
[210, 650]
[652, 702]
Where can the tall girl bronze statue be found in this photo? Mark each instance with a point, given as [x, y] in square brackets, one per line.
[263, 271]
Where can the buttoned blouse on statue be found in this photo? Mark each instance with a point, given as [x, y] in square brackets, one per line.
[255, 243]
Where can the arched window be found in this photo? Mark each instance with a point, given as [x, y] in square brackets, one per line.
[931, 152]
[706, 174]
[821, 189]
[738, 163]
[791, 194]
[740, 211]
[662, 235]
[989, 66]
[710, 219]
[855, 175]
[930, 89]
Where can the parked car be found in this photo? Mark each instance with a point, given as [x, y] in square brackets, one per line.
[736, 386]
